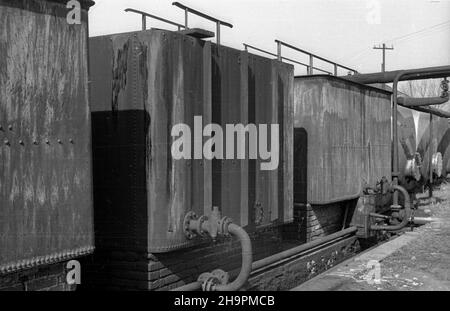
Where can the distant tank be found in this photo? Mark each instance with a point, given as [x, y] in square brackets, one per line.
[409, 161]
[432, 149]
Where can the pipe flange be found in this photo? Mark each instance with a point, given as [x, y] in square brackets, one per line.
[221, 275]
[190, 216]
[209, 281]
[413, 165]
[200, 222]
[223, 225]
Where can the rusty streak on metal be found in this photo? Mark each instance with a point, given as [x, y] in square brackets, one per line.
[46, 189]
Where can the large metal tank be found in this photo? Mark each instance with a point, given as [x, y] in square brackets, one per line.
[46, 207]
[409, 161]
[144, 83]
[346, 128]
[434, 146]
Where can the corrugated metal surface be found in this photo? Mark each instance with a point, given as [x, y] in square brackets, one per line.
[146, 82]
[347, 129]
[45, 158]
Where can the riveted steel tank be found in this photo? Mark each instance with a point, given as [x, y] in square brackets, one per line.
[344, 131]
[145, 83]
[46, 207]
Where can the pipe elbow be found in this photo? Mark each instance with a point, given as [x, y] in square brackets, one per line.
[407, 206]
[247, 260]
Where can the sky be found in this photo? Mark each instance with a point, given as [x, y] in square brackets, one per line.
[344, 31]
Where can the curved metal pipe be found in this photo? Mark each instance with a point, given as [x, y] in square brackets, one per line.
[410, 74]
[247, 260]
[405, 219]
[425, 101]
[211, 226]
[281, 256]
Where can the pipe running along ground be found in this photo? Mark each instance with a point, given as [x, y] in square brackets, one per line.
[281, 256]
[405, 219]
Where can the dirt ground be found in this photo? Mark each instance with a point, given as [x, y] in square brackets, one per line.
[415, 261]
[423, 264]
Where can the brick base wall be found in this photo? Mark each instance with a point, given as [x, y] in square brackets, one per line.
[316, 221]
[127, 270]
[130, 270]
[43, 278]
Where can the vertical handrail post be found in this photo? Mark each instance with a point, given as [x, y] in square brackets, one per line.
[335, 69]
[218, 33]
[311, 64]
[186, 12]
[279, 51]
[144, 22]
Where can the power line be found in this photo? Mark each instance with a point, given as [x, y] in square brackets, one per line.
[446, 24]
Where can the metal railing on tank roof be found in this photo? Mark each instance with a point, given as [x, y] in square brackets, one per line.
[311, 56]
[145, 15]
[217, 21]
[248, 46]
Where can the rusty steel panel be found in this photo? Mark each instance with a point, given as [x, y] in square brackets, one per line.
[46, 208]
[377, 136]
[143, 84]
[347, 130]
[250, 89]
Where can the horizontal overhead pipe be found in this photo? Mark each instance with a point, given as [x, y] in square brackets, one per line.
[425, 101]
[433, 111]
[411, 74]
[281, 256]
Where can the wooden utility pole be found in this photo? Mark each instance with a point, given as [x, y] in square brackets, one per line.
[384, 48]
